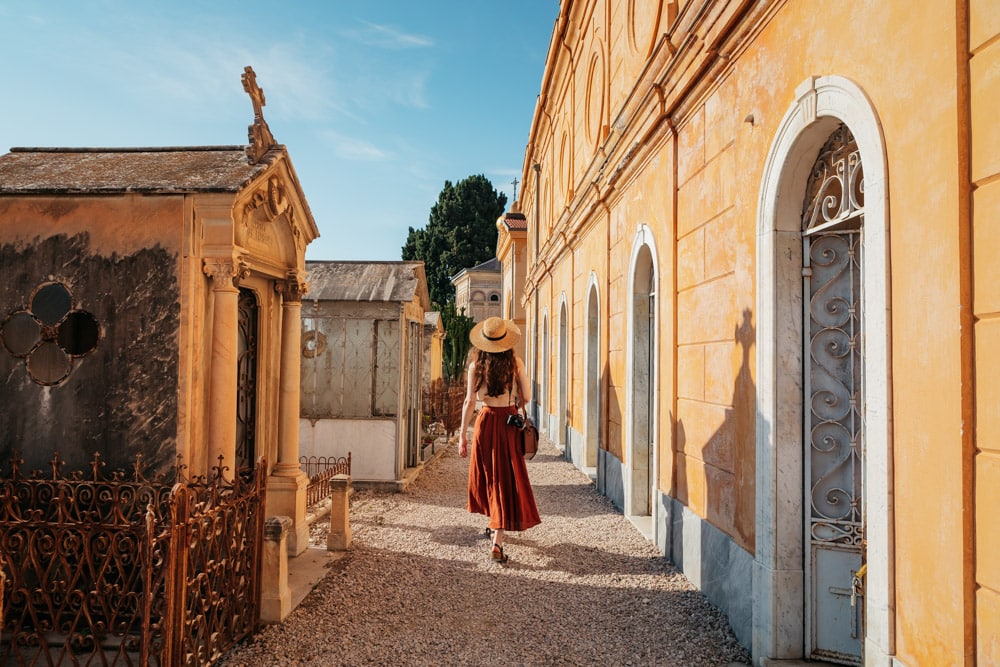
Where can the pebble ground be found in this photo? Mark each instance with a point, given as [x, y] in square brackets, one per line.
[418, 587]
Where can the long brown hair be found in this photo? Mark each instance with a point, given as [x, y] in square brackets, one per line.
[495, 370]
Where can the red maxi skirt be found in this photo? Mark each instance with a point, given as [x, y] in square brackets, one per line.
[498, 477]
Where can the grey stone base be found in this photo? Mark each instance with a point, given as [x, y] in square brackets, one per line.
[716, 565]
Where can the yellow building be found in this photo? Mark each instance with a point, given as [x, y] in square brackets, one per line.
[512, 245]
[477, 290]
[762, 307]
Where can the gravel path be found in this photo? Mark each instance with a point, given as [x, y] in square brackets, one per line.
[418, 587]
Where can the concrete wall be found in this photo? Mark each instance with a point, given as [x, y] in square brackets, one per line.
[371, 443]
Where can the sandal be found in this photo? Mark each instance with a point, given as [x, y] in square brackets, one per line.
[488, 532]
[498, 555]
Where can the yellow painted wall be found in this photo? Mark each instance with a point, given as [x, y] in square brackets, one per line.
[129, 222]
[984, 45]
[947, 591]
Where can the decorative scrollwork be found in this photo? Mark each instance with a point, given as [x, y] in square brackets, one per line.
[293, 288]
[832, 218]
[836, 188]
[89, 557]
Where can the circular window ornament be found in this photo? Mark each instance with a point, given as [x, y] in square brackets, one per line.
[20, 333]
[313, 344]
[50, 335]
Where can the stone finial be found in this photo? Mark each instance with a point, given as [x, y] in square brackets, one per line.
[277, 527]
[339, 536]
[261, 139]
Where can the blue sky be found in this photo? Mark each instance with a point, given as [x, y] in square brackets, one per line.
[378, 101]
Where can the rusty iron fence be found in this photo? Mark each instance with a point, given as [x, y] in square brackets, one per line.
[320, 469]
[443, 403]
[117, 569]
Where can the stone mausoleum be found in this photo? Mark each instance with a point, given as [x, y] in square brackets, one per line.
[150, 305]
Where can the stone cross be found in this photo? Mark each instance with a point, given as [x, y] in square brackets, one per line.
[256, 94]
[261, 139]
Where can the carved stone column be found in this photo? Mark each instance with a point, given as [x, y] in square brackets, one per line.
[286, 488]
[225, 273]
[291, 291]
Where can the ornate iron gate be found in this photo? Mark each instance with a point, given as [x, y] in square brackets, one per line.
[832, 227]
[119, 569]
[246, 381]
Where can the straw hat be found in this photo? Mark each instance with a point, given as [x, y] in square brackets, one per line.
[495, 335]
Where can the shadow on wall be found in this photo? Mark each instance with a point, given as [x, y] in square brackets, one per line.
[609, 456]
[727, 458]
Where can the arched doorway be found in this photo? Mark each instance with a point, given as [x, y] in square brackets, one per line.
[592, 378]
[642, 425]
[833, 328]
[562, 421]
[543, 359]
[823, 447]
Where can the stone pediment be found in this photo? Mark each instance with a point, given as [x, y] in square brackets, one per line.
[269, 225]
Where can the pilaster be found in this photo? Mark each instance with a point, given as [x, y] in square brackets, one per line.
[225, 273]
[286, 488]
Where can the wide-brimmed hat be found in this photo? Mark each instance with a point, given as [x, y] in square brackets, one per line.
[495, 335]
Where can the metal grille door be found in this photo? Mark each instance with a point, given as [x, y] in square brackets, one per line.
[834, 398]
[246, 387]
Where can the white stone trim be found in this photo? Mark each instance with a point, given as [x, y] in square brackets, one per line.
[564, 361]
[544, 355]
[821, 103]
[591, 413]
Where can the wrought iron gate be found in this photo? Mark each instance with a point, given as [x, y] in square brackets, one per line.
[832, 232]
[246, 381]
[118, 569]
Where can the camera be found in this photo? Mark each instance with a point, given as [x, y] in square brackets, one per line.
[515, 420]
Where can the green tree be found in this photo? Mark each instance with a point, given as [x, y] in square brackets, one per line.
[460, 233]
[456, 342]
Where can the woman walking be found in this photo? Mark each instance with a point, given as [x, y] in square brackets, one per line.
[498, 477]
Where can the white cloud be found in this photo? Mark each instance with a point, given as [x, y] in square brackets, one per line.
[355, 149]
[388, 37]
[412, 91]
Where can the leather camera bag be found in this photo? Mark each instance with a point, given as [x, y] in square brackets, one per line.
[529, 439]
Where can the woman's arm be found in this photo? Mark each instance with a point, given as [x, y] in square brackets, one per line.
[468, 408]
[523, 386]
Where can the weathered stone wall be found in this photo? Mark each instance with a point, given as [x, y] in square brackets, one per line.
[120, 399]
